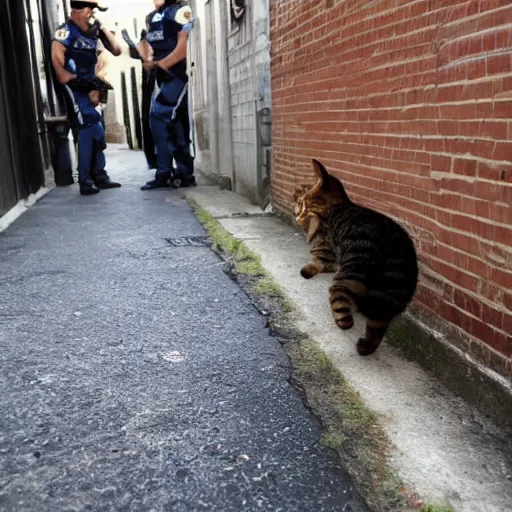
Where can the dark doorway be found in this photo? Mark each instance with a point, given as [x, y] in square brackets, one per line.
[22, 131]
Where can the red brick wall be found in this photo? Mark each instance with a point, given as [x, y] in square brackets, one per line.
[410, 104]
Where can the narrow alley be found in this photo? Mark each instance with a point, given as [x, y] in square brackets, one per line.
[137, 375]
[345, 185]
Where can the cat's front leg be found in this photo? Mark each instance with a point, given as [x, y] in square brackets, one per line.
[321, 251]
[324, 260]
[310, 270]
[316, 267]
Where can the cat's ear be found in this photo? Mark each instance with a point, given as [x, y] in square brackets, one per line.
[336, 188]
[327, 183]
[320, 172]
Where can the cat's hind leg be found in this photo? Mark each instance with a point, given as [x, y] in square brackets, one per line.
[375, 331]
[341, 294]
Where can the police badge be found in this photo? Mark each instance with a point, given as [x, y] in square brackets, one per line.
[184, 15]
[62, 34]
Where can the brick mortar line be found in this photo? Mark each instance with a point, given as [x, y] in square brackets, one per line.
[461, 156]
[409, 106]
[474, 57]
[448, 174]
[423, 151]
[402, 173]
[443, 85]
[465, 19]
[448, 229]
[411, 134]
[478, 258]
[437, 223]
[353, 75]
[400, 20]
[498, 28]
[291, 34]
[468, 313]
[405, 173]
[464, 271]
[471, 338]
[471, 316]
[367, 84]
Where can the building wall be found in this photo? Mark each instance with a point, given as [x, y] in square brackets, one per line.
[243, 107]
[249, 83]
[231, 94]
[211, 109]
[199, 45]
[410, 104]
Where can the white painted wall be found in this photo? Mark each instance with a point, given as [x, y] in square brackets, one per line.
[232, 69]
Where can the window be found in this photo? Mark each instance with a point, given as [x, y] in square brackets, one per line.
[239, 14]
[237, 10]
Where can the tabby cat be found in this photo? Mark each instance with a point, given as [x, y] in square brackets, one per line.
[372, 256]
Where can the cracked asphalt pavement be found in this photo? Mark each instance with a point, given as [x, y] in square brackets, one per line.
[137, 376]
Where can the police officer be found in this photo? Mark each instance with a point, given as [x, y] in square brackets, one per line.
[167, 34]
[74, 58]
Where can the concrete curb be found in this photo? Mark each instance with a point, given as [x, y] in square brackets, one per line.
[479, 386]
[22, 206]
[223, 182]
[444, 449]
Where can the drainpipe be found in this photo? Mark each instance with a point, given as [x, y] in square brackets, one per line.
[224, 120]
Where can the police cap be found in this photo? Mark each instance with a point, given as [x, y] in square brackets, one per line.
[93, 4]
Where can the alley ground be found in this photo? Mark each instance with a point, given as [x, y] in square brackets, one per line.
[135, 375]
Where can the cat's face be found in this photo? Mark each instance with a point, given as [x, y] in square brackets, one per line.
[318, 199]
[308, 204]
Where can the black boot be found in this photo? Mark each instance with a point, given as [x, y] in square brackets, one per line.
[189, 182]
[88, 189]
[150, 185]
[107, 183]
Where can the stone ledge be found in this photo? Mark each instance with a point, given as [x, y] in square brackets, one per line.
[223, 182]
[478, 385]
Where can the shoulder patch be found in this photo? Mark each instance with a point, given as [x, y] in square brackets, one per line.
[62, 33]
[183, 15]
[157, 17]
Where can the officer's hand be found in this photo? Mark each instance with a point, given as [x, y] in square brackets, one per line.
[149, 65]
[97, 25]
[94, 96]
[89, 84]
[66, 77]
[82, 85]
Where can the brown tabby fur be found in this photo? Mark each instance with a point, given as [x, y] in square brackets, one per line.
[372, 256]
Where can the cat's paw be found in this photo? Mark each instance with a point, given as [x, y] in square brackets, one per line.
[365, 347]
[345, 323]
[308, 271]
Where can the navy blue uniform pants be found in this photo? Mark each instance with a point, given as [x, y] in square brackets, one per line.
[170, 132]
[90, 134]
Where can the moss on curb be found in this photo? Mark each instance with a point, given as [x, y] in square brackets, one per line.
[435, 508]
[350, 428]
[244, 260]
